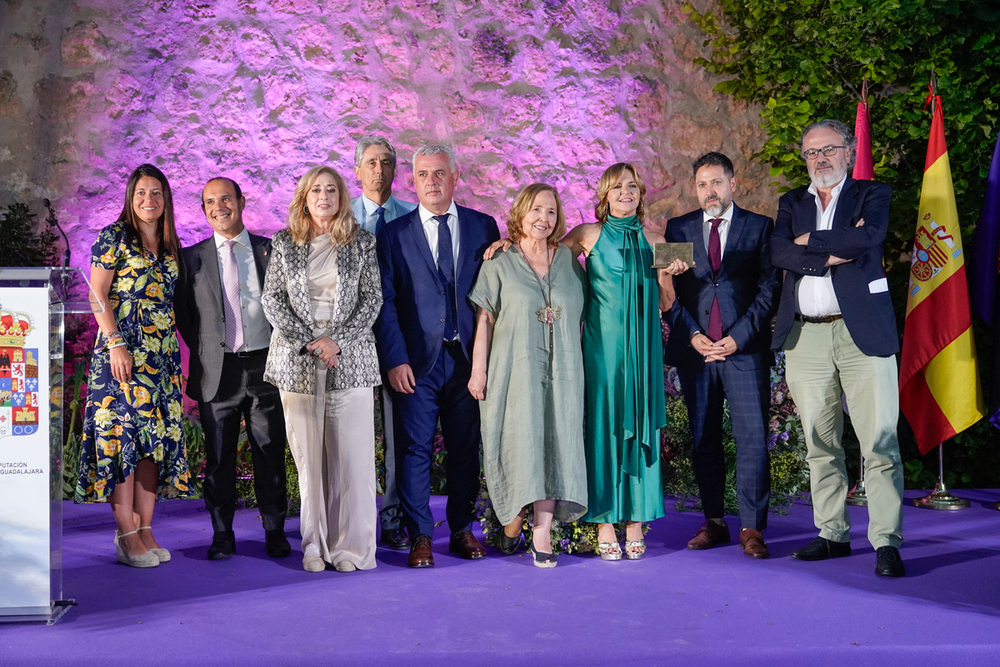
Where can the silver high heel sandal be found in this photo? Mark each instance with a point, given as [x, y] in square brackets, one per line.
[160, 552]
[148, 559]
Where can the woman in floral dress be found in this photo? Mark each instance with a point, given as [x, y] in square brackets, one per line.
[133, 439]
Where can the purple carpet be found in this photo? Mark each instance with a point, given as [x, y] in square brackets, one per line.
[676, 607]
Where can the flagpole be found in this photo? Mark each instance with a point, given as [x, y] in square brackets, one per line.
[940, 498]
[858, 496]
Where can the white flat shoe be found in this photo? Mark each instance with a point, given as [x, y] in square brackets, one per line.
[345, 566]
[161, 553]
[147, 559]
[313, 564]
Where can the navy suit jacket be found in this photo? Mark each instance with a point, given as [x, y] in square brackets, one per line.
[747, 287]
[410, 328]
[199, 313]
[860, 284]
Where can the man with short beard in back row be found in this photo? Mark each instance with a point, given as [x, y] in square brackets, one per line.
[837, 327]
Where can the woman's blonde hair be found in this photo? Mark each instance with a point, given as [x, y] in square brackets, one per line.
[343, 227]
[609, 179]
[522, 205]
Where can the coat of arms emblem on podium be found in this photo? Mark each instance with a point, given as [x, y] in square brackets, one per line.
[18, 376]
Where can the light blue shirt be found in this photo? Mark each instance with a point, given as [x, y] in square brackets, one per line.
[366, 211]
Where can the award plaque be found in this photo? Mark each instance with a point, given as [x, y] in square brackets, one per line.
[665, 253]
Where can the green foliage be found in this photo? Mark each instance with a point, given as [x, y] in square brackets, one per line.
[21, 244]
[803, 61]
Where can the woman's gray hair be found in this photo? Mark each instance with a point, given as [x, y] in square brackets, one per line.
[433, 149]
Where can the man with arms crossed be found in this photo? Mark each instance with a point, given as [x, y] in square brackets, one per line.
[720, 342]
[837, 327]
[429, 259]
[375, 167]
[220, 317]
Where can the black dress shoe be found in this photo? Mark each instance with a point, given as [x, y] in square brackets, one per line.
[395, 539]
[821, 549]
[888, 563]
[223, 545]
[276, 544]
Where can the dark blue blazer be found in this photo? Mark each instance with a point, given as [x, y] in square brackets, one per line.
[410, 328]
[860, 284]
[747, 287]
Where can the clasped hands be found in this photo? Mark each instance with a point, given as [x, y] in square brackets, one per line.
[324, 349]
[714, 351]
[832, 260]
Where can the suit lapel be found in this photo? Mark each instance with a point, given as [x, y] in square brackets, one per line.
[696, 235]
[466, 246]
[415, 247]
[209, 256]
[737, 225]
[846, 204]
[260, 252]
[805, 214]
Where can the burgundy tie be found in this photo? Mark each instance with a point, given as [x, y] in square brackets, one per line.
[715, 259]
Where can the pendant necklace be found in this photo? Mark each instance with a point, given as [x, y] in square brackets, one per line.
[548, 314]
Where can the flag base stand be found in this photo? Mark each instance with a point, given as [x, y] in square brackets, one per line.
[996, 506]
[858, 495]
[941, 499]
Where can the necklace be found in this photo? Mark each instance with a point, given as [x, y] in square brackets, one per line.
[548, 314]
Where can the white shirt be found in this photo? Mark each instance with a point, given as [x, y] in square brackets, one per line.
[431, 231]
[727, 219]
[371, 214]
[256, 331]
[815, 295]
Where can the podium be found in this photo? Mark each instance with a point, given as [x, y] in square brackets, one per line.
[33, 304]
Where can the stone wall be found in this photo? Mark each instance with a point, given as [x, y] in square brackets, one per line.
[260, 90]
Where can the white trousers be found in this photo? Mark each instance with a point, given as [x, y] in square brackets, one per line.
[332, 439]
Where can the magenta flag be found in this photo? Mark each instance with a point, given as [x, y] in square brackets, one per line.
[864, 168]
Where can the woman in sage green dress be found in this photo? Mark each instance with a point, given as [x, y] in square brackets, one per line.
[527, 368]
[623, 361]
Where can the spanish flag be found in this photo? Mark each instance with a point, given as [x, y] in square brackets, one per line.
[939, 391]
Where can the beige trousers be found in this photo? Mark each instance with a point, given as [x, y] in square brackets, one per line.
[332, 439]
[821, 362]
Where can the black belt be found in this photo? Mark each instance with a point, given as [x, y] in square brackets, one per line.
[822, 319]
[452, 344]
[249, 355]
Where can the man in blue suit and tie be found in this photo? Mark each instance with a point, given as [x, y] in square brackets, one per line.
[720, 337]
[429, 260]
[375, 167]
[838, 330]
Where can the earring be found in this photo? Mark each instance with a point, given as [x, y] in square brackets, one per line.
[305, 211]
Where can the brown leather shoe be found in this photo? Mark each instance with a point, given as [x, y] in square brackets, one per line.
[710, 535]
[420, 552]
[465, 544]
[752, 543]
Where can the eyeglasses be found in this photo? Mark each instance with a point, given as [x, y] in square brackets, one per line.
[827, 151]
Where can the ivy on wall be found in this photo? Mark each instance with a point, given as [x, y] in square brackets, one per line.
[806, 60]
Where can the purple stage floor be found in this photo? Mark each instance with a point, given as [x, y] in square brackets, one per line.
[676, 607]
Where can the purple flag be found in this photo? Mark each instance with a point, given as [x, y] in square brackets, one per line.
[983, 264]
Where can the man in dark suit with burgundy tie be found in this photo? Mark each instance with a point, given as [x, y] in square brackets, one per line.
[720, 338]
[429, 260]
[217, 303]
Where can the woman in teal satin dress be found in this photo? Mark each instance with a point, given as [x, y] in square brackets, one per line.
[623, 362]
